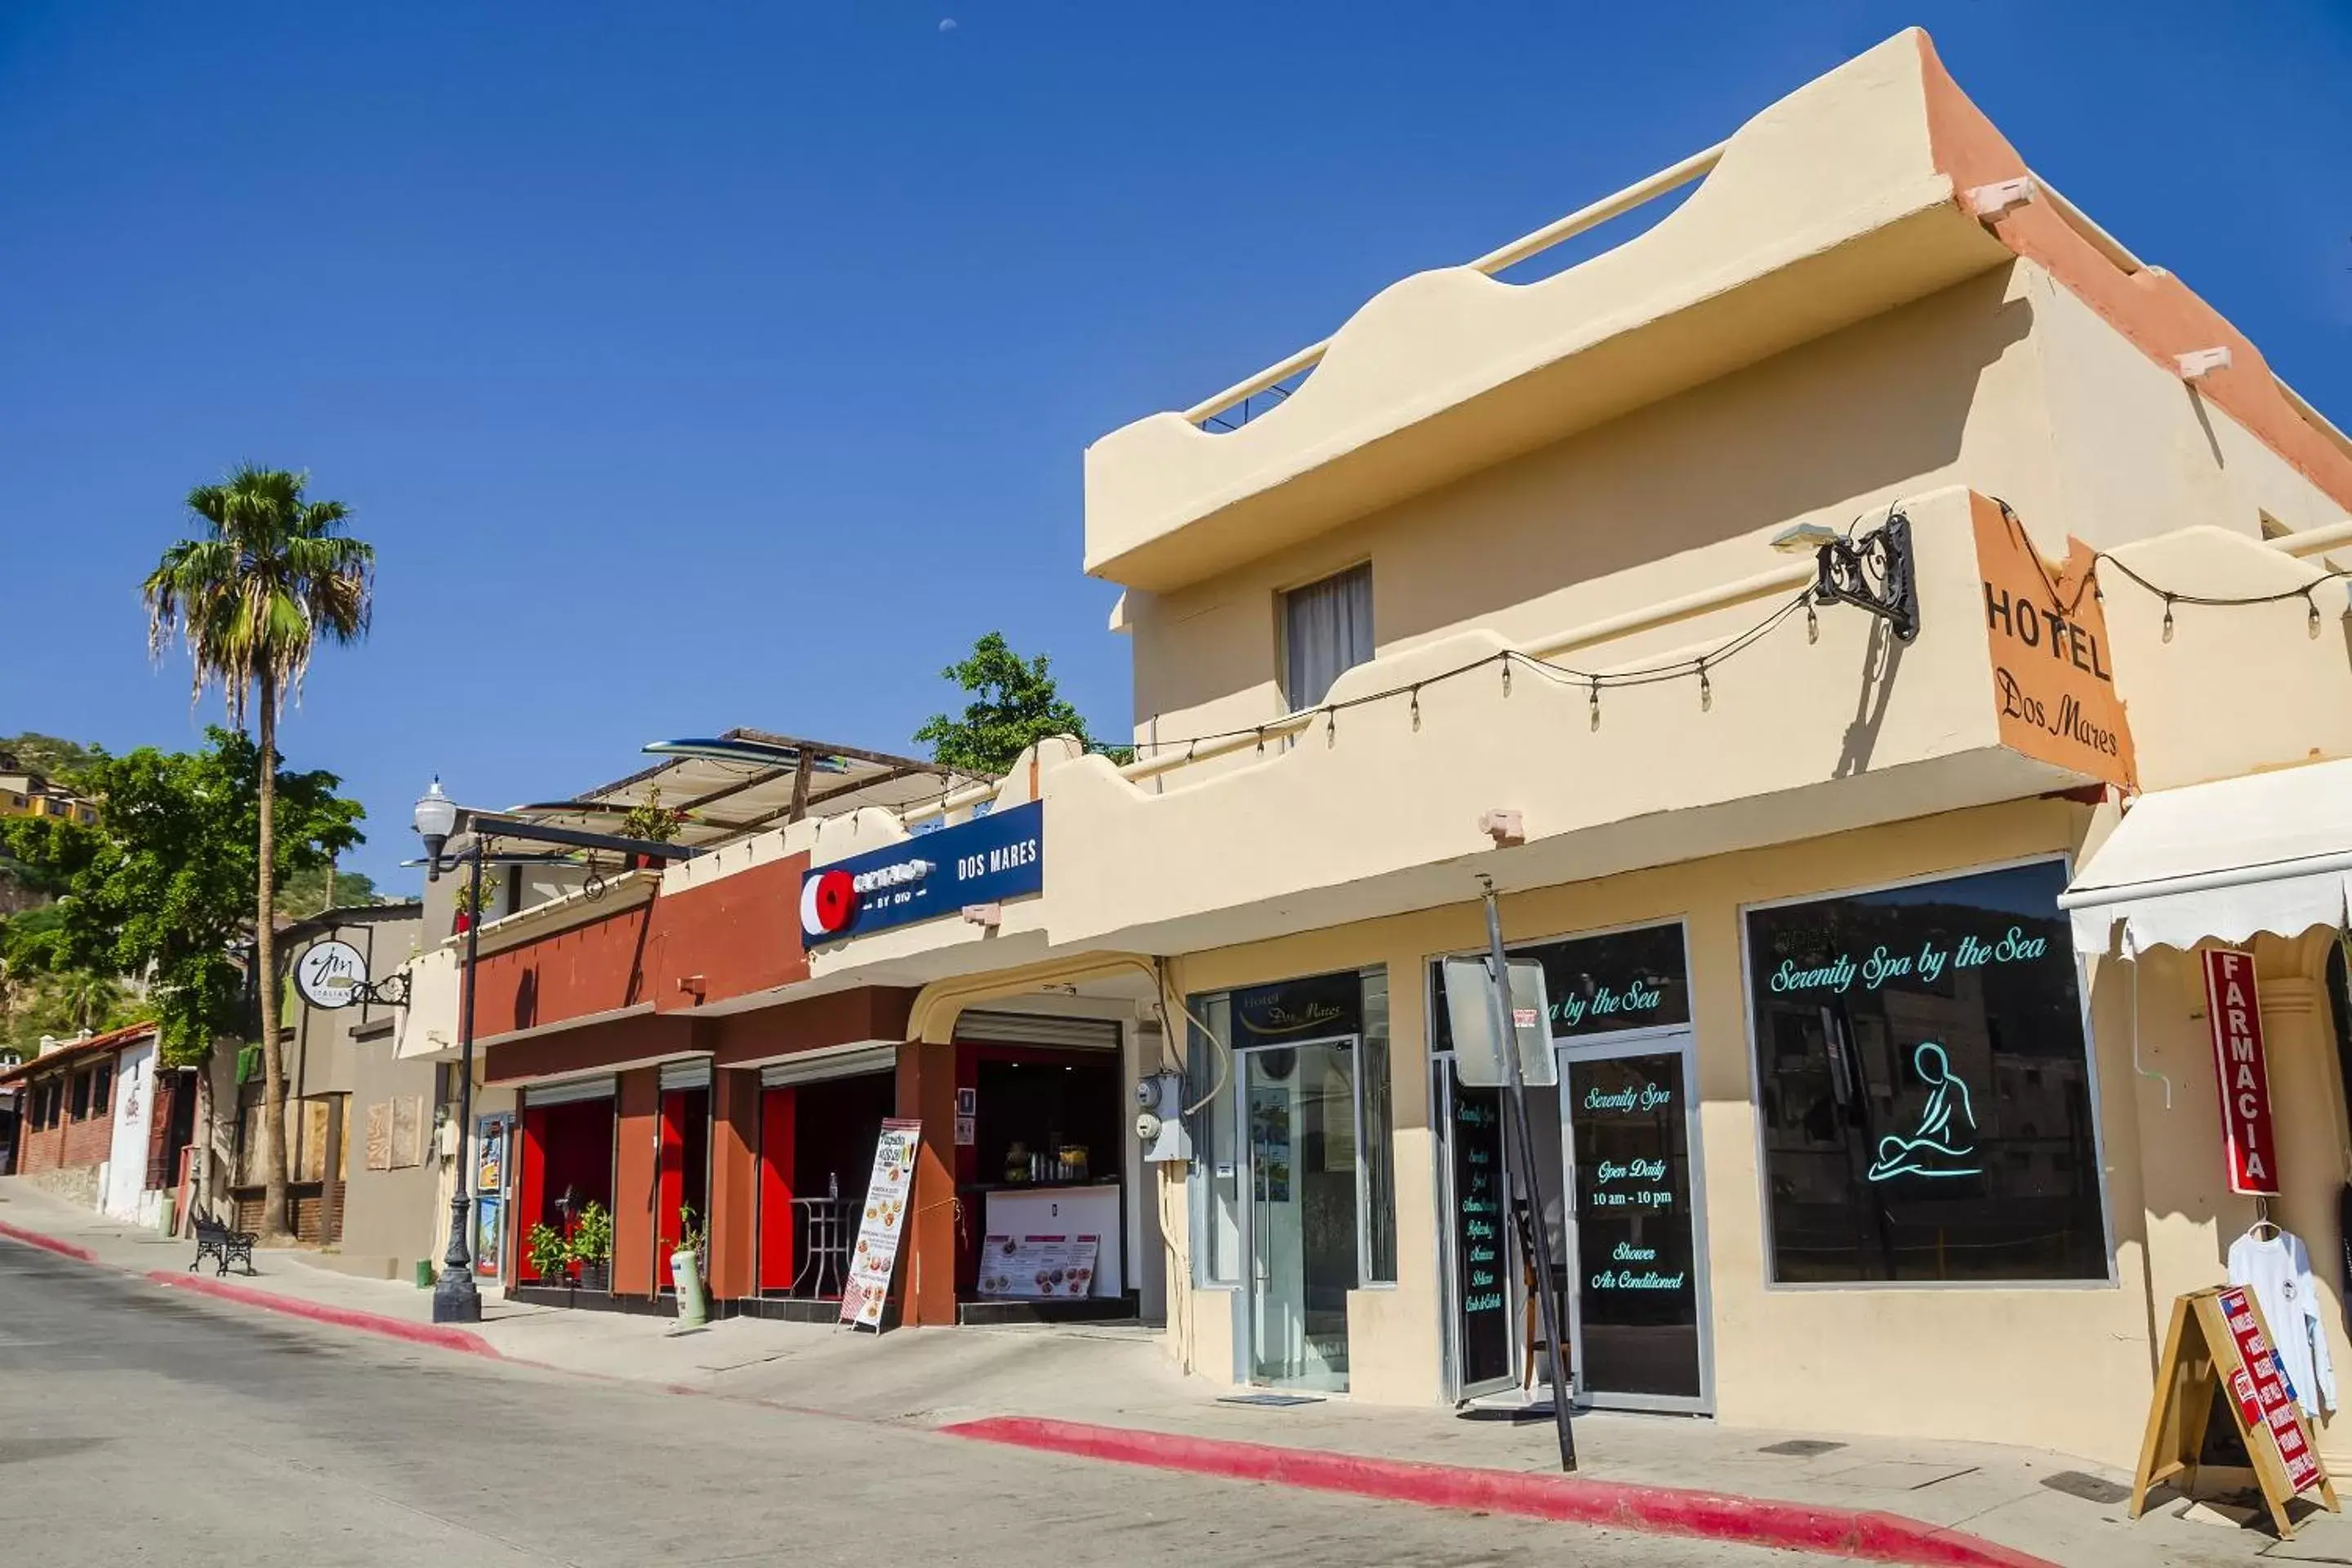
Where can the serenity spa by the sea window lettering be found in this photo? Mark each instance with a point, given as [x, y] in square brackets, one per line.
[1883, 964]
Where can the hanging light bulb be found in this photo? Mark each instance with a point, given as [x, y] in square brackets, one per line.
[1596, 703]
[1261, 740]
[1813, 624]
[1706, 689]
[1507, 675]
[2168, 618]
[1416, 708]
[1330, 726]
[2313, 620]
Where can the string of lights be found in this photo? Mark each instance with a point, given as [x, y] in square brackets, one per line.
[1698, 665]
[1594, 681]
[2091, 584]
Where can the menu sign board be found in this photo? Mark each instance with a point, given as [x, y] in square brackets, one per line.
[2219, 1345]
[2233, 1011]
[1482, 1253]
[875, 1256]
[1036, 1267]
[2260, 1391]
[1637, 1285]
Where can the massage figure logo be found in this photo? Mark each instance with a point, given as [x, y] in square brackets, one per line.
[1946, 1141]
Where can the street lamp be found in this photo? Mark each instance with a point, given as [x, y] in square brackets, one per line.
[435, 818]
[456, 1298]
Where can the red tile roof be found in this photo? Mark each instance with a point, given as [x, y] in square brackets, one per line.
[75, 1050]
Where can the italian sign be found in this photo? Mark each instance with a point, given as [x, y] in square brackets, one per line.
[1038, 1268]
[983, 861]
[326, 972]
[2233, 1011]
[876, 1255]
[2052, 668]
[2219, 1345]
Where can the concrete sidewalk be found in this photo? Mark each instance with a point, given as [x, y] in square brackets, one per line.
[2043, 1504]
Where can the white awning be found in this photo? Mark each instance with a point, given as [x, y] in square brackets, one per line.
[2220, 862]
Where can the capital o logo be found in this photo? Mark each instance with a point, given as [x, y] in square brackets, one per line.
[828, 899]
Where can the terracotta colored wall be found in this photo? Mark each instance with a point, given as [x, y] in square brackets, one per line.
[636, 1173]
[927, 1275]
[598, 967]
[593, 1048]
[868, 1013]
[711, 942]
[734, 1184]
[729, 938]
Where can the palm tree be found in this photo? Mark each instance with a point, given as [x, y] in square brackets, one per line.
[273, 575]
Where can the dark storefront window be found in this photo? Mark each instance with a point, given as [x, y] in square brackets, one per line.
[1924, 1084]
[1598, 984]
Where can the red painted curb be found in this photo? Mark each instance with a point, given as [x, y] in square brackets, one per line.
[436, 1334]
[1662, 1510]
[35, 1238]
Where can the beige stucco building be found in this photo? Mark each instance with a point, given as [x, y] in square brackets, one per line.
[1862, 1128]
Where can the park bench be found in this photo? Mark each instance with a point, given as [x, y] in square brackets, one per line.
[218, 1242]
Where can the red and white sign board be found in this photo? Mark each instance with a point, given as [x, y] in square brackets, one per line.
[2261, 1392]
[875, 1256]
[2235, 1013]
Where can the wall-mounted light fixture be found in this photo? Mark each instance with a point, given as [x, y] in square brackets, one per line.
[1875, 572]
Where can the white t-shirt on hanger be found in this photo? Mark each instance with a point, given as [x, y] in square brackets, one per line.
[2277, 1269]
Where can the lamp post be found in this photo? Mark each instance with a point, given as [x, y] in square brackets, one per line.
[456, 1298]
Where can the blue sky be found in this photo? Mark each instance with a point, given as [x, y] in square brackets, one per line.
[702, 364]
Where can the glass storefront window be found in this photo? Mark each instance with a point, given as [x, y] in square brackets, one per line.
[1351, 1009]
[1217, 1225]
[1924, 1084]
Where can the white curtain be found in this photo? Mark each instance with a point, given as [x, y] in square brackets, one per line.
[1327, 628]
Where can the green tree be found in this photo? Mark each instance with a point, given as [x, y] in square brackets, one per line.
[163, 885]
[307, 892]
[1014, 705]
[273, 574]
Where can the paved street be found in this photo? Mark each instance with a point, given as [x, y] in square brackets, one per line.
[137, 1425]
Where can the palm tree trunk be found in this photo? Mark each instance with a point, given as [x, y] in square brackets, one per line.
[273, 1217]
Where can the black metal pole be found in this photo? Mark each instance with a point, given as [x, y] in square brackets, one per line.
[456, 1299]
[1525, 1177]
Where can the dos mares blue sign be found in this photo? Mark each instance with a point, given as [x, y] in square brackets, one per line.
[983, 861]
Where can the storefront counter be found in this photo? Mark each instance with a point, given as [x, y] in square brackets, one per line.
[1033, 1209]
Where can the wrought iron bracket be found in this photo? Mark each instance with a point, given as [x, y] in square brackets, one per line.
[391, 991]
[1875, 573]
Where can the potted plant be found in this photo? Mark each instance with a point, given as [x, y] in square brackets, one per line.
[650, 821]
[592, 1248]
[550, 1252]
[466, 913]
[686, 1269]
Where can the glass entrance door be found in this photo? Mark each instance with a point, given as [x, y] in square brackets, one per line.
[1298, 1104]
[1629, 1131]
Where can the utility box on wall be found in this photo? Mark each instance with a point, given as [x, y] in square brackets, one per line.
[1159, 1119]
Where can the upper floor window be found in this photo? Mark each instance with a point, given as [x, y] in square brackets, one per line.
[1327, 628]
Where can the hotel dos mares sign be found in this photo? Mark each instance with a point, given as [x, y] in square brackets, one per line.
[2053, 680]
[985, 860]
